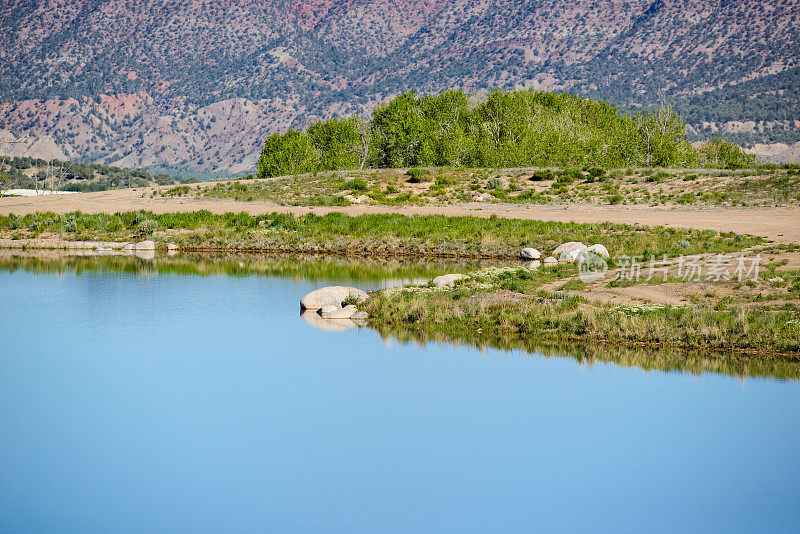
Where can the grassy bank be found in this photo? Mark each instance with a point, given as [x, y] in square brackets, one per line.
[510, 302]
[367, 234]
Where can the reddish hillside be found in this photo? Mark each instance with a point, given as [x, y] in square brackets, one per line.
[199, 83]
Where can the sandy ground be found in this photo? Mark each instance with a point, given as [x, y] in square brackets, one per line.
[779, 224]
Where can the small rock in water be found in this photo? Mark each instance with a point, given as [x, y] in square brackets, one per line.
[549, 260]
[334, 312]
[331, 325]
[529, 254]
[447, 279]
[331, 296]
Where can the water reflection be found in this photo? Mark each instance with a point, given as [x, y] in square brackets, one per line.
[649, 359]
[378, 272]
[381, 272]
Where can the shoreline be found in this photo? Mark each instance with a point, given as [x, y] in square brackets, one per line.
[515, 316]
[528, 299]
[65, 245]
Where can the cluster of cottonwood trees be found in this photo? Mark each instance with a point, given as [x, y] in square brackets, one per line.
[509, 129]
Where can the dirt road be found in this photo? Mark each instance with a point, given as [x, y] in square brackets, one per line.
[779, 224]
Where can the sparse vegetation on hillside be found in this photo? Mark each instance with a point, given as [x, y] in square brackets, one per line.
[206, 79]
[768, 186]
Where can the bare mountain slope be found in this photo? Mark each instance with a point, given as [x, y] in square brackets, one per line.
[198, 83]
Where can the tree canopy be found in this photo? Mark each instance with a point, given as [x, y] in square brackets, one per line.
[509, 129]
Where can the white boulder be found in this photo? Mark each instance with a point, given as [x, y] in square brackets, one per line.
[335, 312]
[331, 296]
[566, 246]
[447, 280]
[600, 250]
[549, 260]
[482, 197]
[145, 245]
[530, 254]
[570, 255]
[331, 325]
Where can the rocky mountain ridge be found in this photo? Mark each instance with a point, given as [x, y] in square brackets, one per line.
[198, 84]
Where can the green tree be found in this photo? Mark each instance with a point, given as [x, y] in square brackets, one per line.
[339, 143]
[663, 135]
[398, 127]
[719, 153]
[289, 153]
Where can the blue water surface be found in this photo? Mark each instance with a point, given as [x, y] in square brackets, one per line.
[206, 404]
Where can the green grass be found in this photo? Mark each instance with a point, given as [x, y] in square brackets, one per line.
[479, 306]
[335, 232]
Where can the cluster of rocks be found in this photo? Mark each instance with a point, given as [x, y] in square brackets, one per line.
[565, 253]
[361, 199]
[481, 197]
[331, 302]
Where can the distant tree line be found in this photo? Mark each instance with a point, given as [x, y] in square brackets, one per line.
[36, 173]
[512, 128]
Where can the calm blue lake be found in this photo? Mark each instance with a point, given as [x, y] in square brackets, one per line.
[181, 403]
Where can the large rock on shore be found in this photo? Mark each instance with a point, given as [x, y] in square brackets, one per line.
[528, 253]
[567, 246]
[600, 250]
[145, 245]
[331, 296]
[446, 280]
[571, 254]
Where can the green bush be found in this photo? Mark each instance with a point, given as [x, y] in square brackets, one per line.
[416, 175]
[596, 172]
[494, 183]
[542, 175]
[147, 227]
[289, 153]
[356, 184]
